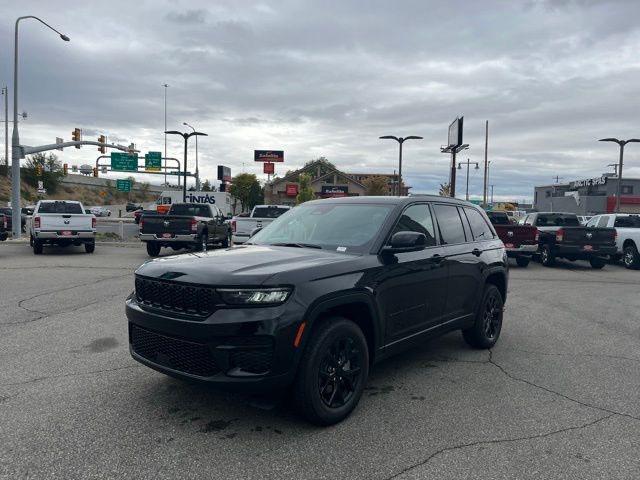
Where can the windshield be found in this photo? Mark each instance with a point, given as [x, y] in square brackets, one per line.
[632, 221]
[557, 220]
[499, 218]
[191, 210]
[341, 227]
[60, 207]
[268, 212]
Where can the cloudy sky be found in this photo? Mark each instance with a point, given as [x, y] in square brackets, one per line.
[327, 78]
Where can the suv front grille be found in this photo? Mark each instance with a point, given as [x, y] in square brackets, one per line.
[177, 354]
[176, 297]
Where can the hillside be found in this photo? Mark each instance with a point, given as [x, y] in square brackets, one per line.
[88, 195]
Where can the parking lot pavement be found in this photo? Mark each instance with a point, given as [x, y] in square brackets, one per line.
[557, 397]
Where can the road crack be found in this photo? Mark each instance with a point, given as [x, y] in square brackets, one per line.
[66, 375]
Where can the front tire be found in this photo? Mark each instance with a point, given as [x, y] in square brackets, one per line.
[631, 257]
[485, 331]
[597, 263]
[153, 249]
[522, 261]
[332, 373]
[547, 258]
[226, 243]
[37, 247]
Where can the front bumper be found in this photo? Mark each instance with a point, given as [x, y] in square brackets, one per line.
[153, 237]
[57, 235]
[249, 349]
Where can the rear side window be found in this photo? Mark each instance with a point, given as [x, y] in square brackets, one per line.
[451, 229]
[417, 218]
[190, 210]
[479, 227]
[632, 221]
[603, 221]
[268, 212]
[60, 207]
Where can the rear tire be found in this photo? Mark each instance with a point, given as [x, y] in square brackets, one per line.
[226, 243]
[202, 242]
[631, 257]
[90, 247]
[485, 331]
[332, 373]
[37, 247]
[153, 249]
[522, 261]
[597, 263]
[547, 258]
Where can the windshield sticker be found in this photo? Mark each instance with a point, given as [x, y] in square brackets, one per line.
[341, 249]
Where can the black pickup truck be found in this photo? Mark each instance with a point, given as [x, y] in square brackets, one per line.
[186, 225]
[562, 236]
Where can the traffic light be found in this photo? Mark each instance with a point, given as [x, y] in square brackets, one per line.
[95, 171]
[102, 149]
[38, 170]
[76, 136]
[65, 169]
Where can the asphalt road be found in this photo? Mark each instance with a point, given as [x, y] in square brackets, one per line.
[558, 397]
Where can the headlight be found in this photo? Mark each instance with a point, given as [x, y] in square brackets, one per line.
[254, 296]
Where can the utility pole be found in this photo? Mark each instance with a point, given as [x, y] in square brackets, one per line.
[486, 163]
[5, 92]
[467, 163]
[165, 130]
[491, 194]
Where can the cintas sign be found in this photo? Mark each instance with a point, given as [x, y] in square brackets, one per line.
[268, 155]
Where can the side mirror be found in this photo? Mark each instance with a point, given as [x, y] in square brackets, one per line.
[405, 242]
[254, 231]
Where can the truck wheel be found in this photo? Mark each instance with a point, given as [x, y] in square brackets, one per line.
[226, 243]
[631, 257]
[31, 240]
[597, 262]
[37, 247]
[202, 242]
[90, 247]
[153, 249]
[333, 372]
[522, 261]
[547, 258]
[488, 323]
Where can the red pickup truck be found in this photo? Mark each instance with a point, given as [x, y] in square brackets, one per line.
[520, 241]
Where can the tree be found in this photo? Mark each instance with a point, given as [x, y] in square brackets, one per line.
[51, 168]
[206, 186]
[305, 192]
[242, 187]
[376, 185]
[445, 190]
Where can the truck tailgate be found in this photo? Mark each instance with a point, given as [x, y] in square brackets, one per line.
[513, 236]
[244, 226]
[65, 221]
[590, 236]
[176, 224]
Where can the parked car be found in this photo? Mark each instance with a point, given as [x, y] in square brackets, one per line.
[8, 212]
[627, 228]
[562, 236]
[187, 225]
[62, 223]
[261, 216]
[137, 215]
[520, 241]
[100, 211]
[132, 207]
[4, 227]
[317, 297]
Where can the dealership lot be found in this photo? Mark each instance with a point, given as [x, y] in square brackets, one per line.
[557, 397]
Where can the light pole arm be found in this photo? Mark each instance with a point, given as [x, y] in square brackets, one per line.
[53, 146]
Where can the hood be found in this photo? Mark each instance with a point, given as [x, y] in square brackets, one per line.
[243, 265]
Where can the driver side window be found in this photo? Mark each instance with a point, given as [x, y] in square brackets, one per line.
[417, 218]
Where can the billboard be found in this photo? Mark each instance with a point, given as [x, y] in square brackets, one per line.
[334, 190]
[224, 173]
[268, 155]
[455, 133]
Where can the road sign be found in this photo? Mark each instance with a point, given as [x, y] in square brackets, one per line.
[124, 162]
[153, 161]
[104, 169]
[269, 168]
[123, 185]
[74, 168]
[40, 184]
[59, 140]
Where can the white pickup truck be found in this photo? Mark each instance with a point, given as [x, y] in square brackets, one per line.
[62, 223]
[261, 216]
[627, 235]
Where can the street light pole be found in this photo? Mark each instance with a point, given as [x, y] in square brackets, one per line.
[16, 152]
[467, 163]
[5, 92]
[400, 141]
[186, 138]
[165, 129]
[197, 169]
[621, 144]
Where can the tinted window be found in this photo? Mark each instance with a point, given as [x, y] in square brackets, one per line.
[603, 221]
[498, 218]
[190, 210]
[592, 222]
[268, 212]
[451, 230]
[417, 218]
[557, 220]
[632, 221]
[479, 227]
[59, 207]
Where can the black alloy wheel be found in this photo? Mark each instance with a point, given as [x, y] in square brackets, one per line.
[631, 258]
[339, 372]
[546, 256]
[485, 331]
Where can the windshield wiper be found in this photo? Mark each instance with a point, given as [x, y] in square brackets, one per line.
[296, 244]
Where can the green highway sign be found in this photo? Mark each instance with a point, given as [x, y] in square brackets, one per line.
[124, 162]
[153, 161]
[123, 185]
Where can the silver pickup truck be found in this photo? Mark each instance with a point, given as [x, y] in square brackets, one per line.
[260, 217]
[62, 223]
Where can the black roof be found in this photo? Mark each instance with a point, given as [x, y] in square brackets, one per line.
[392, 200]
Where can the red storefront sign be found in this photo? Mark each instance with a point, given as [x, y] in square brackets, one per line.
[269, 168]
[292, 189]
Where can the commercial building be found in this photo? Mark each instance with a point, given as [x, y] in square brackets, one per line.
[326, 182]
[588, 196]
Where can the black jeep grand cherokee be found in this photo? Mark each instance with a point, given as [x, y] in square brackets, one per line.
[321, 294]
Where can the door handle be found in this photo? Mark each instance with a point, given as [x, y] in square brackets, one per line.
[476, 252]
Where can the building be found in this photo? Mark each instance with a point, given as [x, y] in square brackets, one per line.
[588, 196]
[326, 182]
